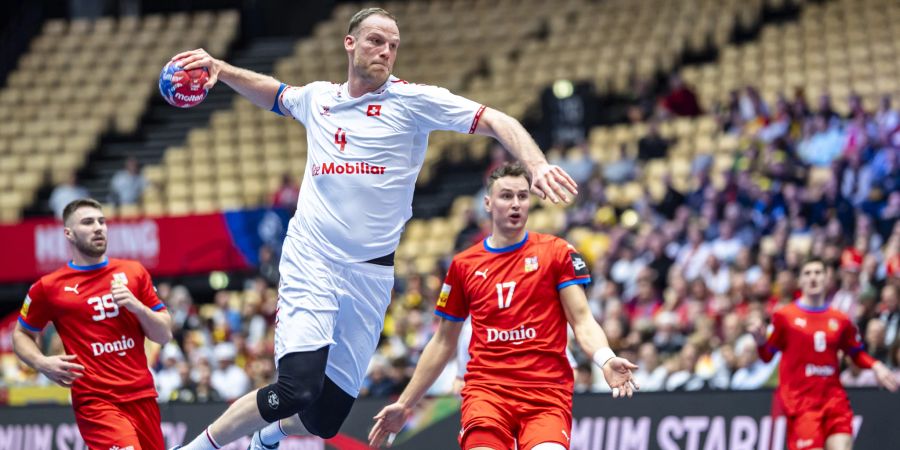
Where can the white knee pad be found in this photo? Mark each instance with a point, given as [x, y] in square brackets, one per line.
[548, 446]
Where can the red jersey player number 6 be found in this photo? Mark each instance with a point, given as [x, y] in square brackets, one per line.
[810, 335]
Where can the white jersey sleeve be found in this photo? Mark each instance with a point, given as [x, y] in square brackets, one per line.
[436, 108]
[296, 99]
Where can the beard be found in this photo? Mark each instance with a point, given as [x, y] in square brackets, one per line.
[89, 248]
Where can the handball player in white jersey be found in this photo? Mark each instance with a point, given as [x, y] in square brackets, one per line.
[366, 142]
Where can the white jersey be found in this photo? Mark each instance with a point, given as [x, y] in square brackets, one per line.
[363, 157]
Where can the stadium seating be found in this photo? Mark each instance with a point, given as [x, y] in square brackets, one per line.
[81, 79]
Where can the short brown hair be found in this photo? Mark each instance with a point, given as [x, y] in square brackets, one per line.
[812, 260]
[364, 14]
[515, 169]
[80, 203]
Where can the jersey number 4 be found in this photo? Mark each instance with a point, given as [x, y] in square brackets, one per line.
[105, 307]
[510, 287]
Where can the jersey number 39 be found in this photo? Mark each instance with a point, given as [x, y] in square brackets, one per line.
[105, 307]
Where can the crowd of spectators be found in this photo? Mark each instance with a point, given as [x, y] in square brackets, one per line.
[674, 287]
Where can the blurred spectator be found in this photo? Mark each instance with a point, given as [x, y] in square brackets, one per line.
[683, 376]
[200, 391]
[584, 380]
[651, 375]
[168, 378]
[229, 380]
[287, 194]
[622, 169]
[752, 372]
[889, 314]
[127, 184]
[268, 266]
[822, 143]
[652, 145]
[66, 192]
[854, 376]
[681, 99]
[472, 231]
[874, 340]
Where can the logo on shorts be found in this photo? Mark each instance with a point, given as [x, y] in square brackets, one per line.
[803, 443]
[116, 447]
[273, 400]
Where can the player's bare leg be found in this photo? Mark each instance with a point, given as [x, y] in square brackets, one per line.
[240, 419]
[840, 441]
[293, 426]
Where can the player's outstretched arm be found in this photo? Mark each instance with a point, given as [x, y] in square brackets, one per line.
[438, 352]
[58, 368]
[157, 325]
[592, 340]
[548, 181]
[258, 88]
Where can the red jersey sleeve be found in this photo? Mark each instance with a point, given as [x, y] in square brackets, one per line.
[145, 292]
[850, 344]
[571, 267]
[775, 340]
[452, 303]
[36, 311]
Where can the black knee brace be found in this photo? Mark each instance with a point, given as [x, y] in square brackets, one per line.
[327, 413]
[300, 378]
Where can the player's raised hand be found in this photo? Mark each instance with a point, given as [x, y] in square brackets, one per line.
[61, 370]
[617, 372]
[124, 298]
[884, 376]
[388, 422]
[550, 181]
[757, 329]
[195, 59]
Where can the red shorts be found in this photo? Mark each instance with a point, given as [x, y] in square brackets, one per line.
[130, 425]
[809, 429]
[498, 417]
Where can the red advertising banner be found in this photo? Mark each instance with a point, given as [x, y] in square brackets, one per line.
[165, 246]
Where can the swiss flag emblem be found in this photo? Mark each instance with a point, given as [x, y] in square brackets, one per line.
[373, 110]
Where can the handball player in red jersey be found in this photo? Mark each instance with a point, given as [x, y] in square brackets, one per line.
[810, 334]
[521, 289]
[102, 309]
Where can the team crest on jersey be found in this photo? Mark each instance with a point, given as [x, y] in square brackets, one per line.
[25, 306]
[120, 278]
[833, 324]
[531, 264]
[445, 294]
[373, 111]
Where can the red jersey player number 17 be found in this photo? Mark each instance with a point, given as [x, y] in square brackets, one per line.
[103, 309]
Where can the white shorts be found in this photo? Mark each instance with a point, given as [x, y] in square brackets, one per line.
[324, 302]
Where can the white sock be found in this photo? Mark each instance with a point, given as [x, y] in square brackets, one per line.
[204, 441]
[272, 433]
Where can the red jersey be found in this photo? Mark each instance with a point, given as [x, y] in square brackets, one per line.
[108, 340]
[518, 323]
[810, 339]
